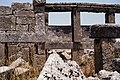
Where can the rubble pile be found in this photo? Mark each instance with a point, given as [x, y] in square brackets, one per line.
[59, 68]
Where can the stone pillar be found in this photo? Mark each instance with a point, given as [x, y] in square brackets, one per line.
[76, 36]
[108, 45]
[104, 48]
[98, 61]
[39, 8]
[107, 53]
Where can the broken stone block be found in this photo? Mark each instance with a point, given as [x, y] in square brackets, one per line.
[19, 71]
[106, 75]
[4, 69]
[57, 69]
[16, 63]
[21, 6]
[7, 23]
[5, 10]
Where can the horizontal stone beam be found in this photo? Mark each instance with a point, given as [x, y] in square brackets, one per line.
[83, 7]
[63, 45]
[105, 31]
[24, 37]
[66, 26]
[59, 45]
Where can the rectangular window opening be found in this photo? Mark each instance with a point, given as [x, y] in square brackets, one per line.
[59, 18]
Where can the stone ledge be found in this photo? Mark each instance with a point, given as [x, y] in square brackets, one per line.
[59, 45]
[105, 31]
[24, 37]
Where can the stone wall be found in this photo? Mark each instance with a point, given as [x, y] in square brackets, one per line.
[20, 18]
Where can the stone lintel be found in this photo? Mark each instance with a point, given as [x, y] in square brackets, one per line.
[59, 45]
[105, 31]
[25, 37]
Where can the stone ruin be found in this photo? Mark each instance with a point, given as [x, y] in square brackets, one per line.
[24, 32]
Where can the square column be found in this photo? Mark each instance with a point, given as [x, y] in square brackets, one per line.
[77, 50]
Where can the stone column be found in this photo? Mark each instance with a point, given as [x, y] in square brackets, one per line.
[108, 45]
[98, 61]
[76, 36]
[40, 28]
[107, 53]
[104, 48]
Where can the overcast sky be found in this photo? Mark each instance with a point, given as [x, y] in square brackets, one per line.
[65, 19]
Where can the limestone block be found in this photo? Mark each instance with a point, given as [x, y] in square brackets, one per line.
[40, 23]
[19, 6]
[24, 13]
[56, 68]
[22, 37]
[40, 19]
[5, 10]
[25, 20]
[22, 28]
[7, 22]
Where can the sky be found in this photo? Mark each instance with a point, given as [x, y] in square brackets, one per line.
[60, 18]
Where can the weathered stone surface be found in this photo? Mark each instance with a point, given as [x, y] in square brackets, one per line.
[7, 23]
[22, 28]
[40, 22]
[76, 28]
[116, 64]
[25, 13]
[106, 75]
[57, 45]
[107, 54]
[20, 6]
[22, 37]
[25, 20]
[5, 10]
[56, 68]
[83, 7]
[17, 63]
[19, 71]
[98, 55]
[105, 31]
